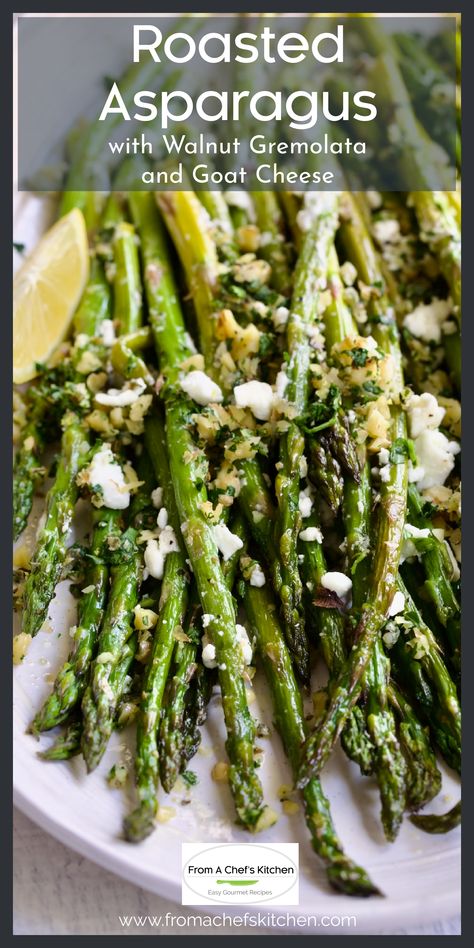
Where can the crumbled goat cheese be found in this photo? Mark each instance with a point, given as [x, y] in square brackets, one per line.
[415, 474]
[208, 652]
[162, 518]
[243, 642]
[209, 658]
[280, 318]
[257, 576]
[154, 559]
[167, 541]
[370, 344]
[386, 231]
[423, 412]
[303, 466]
[311, 534]
[384, 456]
[157, 497]
[338, 583]
[201, 388]
[305, 503]
[375, 199]
[426, 320]
[435, 454]
[258, 396]
[157, 550]
[242, 200]
[106, 475]
[107, 332]
[121, 397]
[227, 543]
[398, 604]
[206, 619]
[411, 533]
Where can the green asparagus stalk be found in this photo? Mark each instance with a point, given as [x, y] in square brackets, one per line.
[424, 77]
[326, 473]
[28, 472]
[71, 678]
[433, 823]
[182, 213]
[418, 154]
[96, 302]
[172, 734]
[127, 281]
[412, 678]
[171, 610]
[101, 697]
[219, 213]
[51, 546]
[124, 356]
[186, 473]
[271, 223]
[310, 279]
[389, 532]
[423, 779]
[355, 738]
[427, 652]
[68, 744]
[189, 692]
[388, 761]
[343, 874]
[196, 713]
[44, 399]
[439, 229]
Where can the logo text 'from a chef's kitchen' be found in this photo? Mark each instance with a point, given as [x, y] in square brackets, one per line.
[240, 874]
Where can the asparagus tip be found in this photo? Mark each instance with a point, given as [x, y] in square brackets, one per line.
[352, 880]
[139, 824]
[434, 823]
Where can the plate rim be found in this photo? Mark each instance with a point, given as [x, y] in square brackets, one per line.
[374, 916]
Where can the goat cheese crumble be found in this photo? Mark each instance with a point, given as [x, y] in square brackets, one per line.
[257, 576]
[258, 396]
[305, 503]
[311, 534]
[338, 583]
[201, 388]
[397, 605]
[227, 542]
[426, 320]
[121, 397]
[106, 478]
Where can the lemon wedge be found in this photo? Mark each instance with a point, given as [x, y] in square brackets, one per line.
[46, 292]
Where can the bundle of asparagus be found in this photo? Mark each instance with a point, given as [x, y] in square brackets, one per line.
[270, 456]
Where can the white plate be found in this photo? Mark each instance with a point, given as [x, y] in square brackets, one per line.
[419, 874]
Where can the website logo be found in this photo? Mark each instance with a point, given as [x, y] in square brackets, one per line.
[240, 874]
